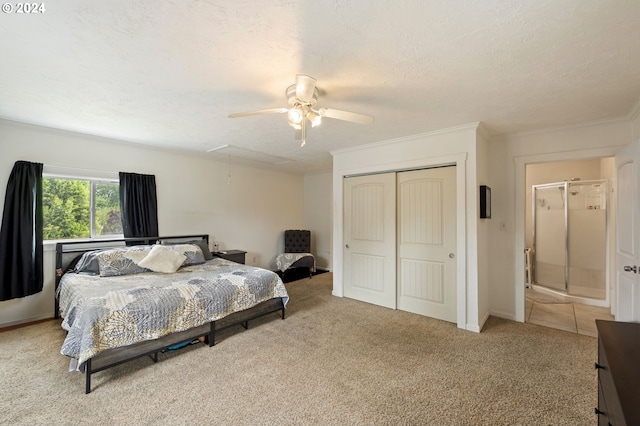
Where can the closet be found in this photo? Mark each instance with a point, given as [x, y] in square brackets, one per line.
[400, 240]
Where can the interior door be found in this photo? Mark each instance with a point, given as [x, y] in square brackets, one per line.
[427, 242]
[369, 237]
[627, 253]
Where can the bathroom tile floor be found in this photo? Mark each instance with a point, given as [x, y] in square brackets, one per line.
[572, 317]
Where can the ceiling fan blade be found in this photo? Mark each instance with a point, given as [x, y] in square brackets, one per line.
[262, 111]
[346, 116]
[305, 86]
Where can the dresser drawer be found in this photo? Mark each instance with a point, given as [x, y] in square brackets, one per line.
[618, 373]
[608, 401]
[603, 419]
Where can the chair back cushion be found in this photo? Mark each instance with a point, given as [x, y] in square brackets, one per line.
[297, 241]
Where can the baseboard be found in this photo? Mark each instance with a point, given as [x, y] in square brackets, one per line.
[24, 322]
[484, 320]
[503, 315]
[472, 327]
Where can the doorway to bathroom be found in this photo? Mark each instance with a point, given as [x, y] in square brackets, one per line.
[568, 216]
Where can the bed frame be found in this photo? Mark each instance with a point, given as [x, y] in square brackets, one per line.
[66, 252]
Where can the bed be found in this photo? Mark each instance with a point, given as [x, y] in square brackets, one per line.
[128, 298]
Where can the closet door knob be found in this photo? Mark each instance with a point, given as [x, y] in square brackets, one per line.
[346, 245]
[631, 269]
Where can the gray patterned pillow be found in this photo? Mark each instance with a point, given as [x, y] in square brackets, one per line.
[192, 251]
[203, 246]
[88, 263]
[122, 261]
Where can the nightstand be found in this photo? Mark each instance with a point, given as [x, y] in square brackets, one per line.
[232, 255]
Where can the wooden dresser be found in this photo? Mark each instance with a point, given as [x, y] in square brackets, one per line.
[618, 369]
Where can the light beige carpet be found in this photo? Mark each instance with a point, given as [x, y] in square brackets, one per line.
[332, 361]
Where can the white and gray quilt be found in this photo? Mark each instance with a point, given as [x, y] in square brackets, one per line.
[108, 312]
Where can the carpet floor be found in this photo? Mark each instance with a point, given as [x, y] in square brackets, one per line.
[332, 361]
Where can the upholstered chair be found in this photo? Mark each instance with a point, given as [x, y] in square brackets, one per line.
[297, 252]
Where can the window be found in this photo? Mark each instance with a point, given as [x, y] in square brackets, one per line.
[80, 208]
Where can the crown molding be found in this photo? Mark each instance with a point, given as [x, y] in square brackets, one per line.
[565, 127]
[469, 126]
[635, 111]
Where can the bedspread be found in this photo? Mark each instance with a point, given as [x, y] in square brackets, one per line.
[100, 313]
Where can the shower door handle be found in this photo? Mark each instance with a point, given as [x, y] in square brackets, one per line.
[631, 268]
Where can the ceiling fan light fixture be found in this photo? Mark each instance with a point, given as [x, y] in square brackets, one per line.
[314, 118]
[302, 98]
[295, 115]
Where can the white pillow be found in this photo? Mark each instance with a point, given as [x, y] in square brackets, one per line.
[162, 259]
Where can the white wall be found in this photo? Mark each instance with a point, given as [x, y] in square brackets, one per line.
[250, 213]
[318, 205]
[449, 146]
[508, 159]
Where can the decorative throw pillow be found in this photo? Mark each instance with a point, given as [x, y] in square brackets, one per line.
[163, 259]
[122, 261]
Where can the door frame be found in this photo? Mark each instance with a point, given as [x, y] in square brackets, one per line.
[458, 160]
[519, 222]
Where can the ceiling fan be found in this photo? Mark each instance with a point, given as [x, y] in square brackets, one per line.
[303, 97]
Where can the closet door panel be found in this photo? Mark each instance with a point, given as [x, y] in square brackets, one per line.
[369, 236]
[427, 242]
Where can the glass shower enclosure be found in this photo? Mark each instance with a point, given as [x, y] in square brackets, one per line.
[570, 237]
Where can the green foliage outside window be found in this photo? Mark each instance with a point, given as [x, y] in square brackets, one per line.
[67, 209]
[107, 209]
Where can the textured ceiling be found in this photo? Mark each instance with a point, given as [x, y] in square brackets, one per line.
[168, 73]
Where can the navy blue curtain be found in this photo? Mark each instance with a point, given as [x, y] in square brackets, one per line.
[138, 205]
[21, 233]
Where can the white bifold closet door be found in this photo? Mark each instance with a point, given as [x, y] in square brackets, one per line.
[400, 241]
